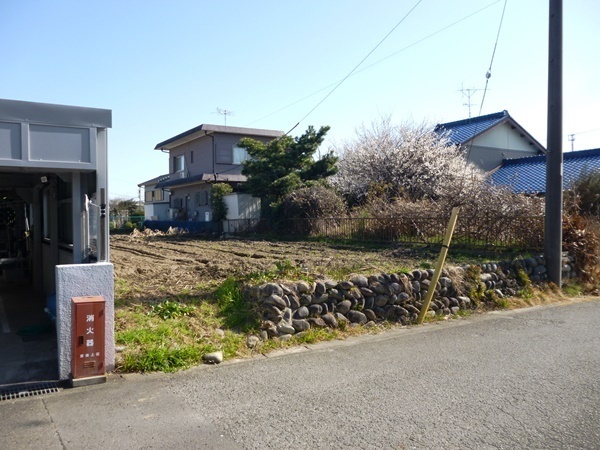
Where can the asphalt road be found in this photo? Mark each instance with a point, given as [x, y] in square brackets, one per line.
[519, 379]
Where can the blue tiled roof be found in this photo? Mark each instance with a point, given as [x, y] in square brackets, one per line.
[463, 131]
[528, 175]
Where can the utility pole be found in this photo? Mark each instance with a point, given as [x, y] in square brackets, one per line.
[554, 156]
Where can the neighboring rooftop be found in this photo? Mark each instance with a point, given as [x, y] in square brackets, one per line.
[463, 131]
[202, 130]
[528, 175]
[48, 113]
[202, 178]
[155, 180]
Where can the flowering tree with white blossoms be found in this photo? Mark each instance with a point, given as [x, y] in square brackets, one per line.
[408, 162]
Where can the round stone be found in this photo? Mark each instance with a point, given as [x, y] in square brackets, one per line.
[300, 325]
[301, 313]
[356, 317]
[213, 358]
[302, 287]
[344, 306]
[276, 300]
[252, 341]
[272, 288]
[359, 280]
[330, 320]
[285, 328]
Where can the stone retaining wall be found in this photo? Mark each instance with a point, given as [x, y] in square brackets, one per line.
[290, 308]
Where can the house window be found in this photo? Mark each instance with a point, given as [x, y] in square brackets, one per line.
[201, 198]
[148, 196]
[239, 155]
[178, 163]
[158, 195]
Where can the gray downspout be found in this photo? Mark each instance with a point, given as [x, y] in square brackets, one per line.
[214, 153]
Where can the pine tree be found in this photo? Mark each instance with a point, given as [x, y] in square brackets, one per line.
[285, 164]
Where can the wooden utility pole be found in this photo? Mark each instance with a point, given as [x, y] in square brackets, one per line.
[554, 153]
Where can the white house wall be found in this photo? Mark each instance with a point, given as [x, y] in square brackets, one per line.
[505, 137]
[488, 150]
[156, 211]
[242, 206]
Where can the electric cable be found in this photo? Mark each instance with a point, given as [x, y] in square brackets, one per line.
[355, 67]
[487, 79]
[489, 72]
[378, 61]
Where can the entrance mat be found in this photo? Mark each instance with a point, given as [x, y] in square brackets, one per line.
[23, 390]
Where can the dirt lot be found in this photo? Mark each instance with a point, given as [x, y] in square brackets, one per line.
[169, 266]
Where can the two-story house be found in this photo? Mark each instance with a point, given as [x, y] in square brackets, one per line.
[490, 139]
[198, 158]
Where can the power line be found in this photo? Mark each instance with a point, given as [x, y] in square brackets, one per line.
[379, 61]
[489, 72]
[587, 131]
[356, 67]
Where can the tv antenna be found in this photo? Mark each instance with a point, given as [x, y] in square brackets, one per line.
[468, 93]
[572, 141]
[224, 113]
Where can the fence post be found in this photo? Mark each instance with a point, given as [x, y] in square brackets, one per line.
[439, 265]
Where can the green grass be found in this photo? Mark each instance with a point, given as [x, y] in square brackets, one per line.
[572, 289]
[155, 358]
[237, 313]
[170, 310]
[165, 339]
[316, 335]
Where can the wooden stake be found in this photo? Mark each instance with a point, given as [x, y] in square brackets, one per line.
[439, 265]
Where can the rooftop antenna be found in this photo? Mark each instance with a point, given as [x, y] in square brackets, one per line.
[572, 141]
[468, 93]
[224, 113]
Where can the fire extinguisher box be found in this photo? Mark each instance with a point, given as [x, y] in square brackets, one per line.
[88, 362]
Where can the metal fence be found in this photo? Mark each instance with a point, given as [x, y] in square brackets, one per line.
[478, 232]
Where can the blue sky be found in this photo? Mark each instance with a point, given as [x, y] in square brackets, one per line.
[163, 67]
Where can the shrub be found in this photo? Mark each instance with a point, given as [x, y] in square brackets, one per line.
[315, 201]
[406, 161]
[581, 238]
[218, 191]
[584, 195]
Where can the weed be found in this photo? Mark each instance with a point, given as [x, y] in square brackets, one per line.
[170, 310]
[235, 310]
[501, 303]
[522, 278]
[476, 289]
[166, 359]
[315, 335]
[435, 318]
[572, 289]
[285, 268]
